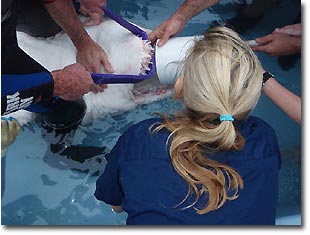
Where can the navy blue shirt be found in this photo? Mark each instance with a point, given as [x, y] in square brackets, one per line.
[139, 176]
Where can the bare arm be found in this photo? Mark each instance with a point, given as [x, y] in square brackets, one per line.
[92, 8]
[287, 101]
[191, 8]
[177, 21]
[277, 44]
[64, 14]
[89, 53]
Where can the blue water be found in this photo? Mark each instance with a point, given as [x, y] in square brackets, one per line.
[37, 193]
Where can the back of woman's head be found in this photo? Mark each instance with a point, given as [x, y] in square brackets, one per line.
[221, 83]
[222, 76]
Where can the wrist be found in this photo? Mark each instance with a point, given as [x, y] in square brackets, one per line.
[179, 17]
[57, 74]
[266, 77]
[268, 88]
[82, 41]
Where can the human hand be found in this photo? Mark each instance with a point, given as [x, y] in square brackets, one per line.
[72, 82]
[92, 8]
[294, 29]
[9, 131]
[278, 44]
[169, 28]
[91, 56]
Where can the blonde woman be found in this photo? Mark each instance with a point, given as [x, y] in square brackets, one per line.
[211, 164]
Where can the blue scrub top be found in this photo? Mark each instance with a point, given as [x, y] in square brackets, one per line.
[139, 176]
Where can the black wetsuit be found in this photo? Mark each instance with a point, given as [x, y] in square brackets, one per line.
[25, 84]
[24, 81]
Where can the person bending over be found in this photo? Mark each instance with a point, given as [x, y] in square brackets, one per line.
[212, 163]
[28, 85]
[45, 18]
[25, 84]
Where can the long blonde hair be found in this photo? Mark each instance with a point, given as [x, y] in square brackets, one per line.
[221, 76]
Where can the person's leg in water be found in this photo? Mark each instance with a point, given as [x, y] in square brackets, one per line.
[60, 125]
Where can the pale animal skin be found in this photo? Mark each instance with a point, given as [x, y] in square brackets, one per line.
[127, 53]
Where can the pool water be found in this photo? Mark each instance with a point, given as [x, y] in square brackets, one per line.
[38, 193]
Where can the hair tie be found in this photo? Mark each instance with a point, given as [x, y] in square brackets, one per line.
[226, 118]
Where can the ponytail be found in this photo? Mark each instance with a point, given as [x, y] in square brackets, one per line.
[221, 83]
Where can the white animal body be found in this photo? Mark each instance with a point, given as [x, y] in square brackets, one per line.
[127, 53]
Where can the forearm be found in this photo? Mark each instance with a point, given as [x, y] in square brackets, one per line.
[64, 14]
[23, 80]
[287, 101]
[191, 8]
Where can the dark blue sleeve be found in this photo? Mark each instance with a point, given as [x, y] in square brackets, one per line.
[24, 81]
[108, 188]
[21, 91]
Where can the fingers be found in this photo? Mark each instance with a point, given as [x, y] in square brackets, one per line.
[95, 19]
[152, 36]
[103, 86]
[92, 7]
[92, 56]
[83, 10]
[162, 35]
[265, 39]
[106, 63]
[169, 28]
[89, 22]
[97, 10]
[164, 39]
[94, 12]
[294, 29]
[263, 48]
[158, 33]
[288, 31]
[96, 88]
